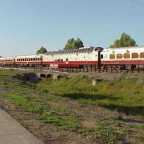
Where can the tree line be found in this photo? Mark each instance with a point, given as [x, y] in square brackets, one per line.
[125, 40]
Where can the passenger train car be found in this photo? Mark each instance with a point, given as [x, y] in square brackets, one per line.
[79, 58]
[31, 60]
[72, 58]
[7, 61]
[126, 55]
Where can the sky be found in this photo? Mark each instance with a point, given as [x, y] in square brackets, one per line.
[26, 25]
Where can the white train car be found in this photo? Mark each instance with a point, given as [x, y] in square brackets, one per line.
[29, 60]
[7, 61]
[127, 55]
[2, 59]
[72, 58]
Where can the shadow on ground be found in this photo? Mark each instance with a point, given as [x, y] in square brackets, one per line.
[128, 110]
[84, 96]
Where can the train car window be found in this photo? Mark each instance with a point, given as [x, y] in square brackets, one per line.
[112, 56]
[135, 55]
[142, 55]
[119, 56]
[126, 55]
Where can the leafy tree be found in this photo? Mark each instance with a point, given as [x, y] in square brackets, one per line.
[74, 44]
[42, 50]
[124, 41]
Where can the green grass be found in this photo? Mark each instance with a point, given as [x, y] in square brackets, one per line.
[65, 122]
[123, 95]
[52, 101]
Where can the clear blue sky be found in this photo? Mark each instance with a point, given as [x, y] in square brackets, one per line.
[25, 25]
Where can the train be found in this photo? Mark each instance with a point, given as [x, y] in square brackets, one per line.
[89, 58]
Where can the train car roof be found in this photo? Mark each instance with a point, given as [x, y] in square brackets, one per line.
[138, 47]
[27, 56]
[124, 49]
[80, 50]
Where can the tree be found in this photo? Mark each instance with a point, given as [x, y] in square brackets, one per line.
[124, 41]
[42, 50]
[74, 44]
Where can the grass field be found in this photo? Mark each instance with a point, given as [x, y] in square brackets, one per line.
[72, 110]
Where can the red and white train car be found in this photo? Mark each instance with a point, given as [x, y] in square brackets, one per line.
[126, 56]
[30, 60]
[7, 61]
[74, 58]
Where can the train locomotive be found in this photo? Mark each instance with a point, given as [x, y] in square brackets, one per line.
[88, 58]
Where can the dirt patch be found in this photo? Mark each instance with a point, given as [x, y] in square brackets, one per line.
[48, 133]
[88, 124]
[3, 90]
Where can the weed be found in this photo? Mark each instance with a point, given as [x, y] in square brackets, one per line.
[65, 122]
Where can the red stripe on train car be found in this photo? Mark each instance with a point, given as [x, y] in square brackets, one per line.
[128, 62]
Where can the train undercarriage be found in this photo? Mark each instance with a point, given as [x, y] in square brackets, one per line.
[116, 68]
